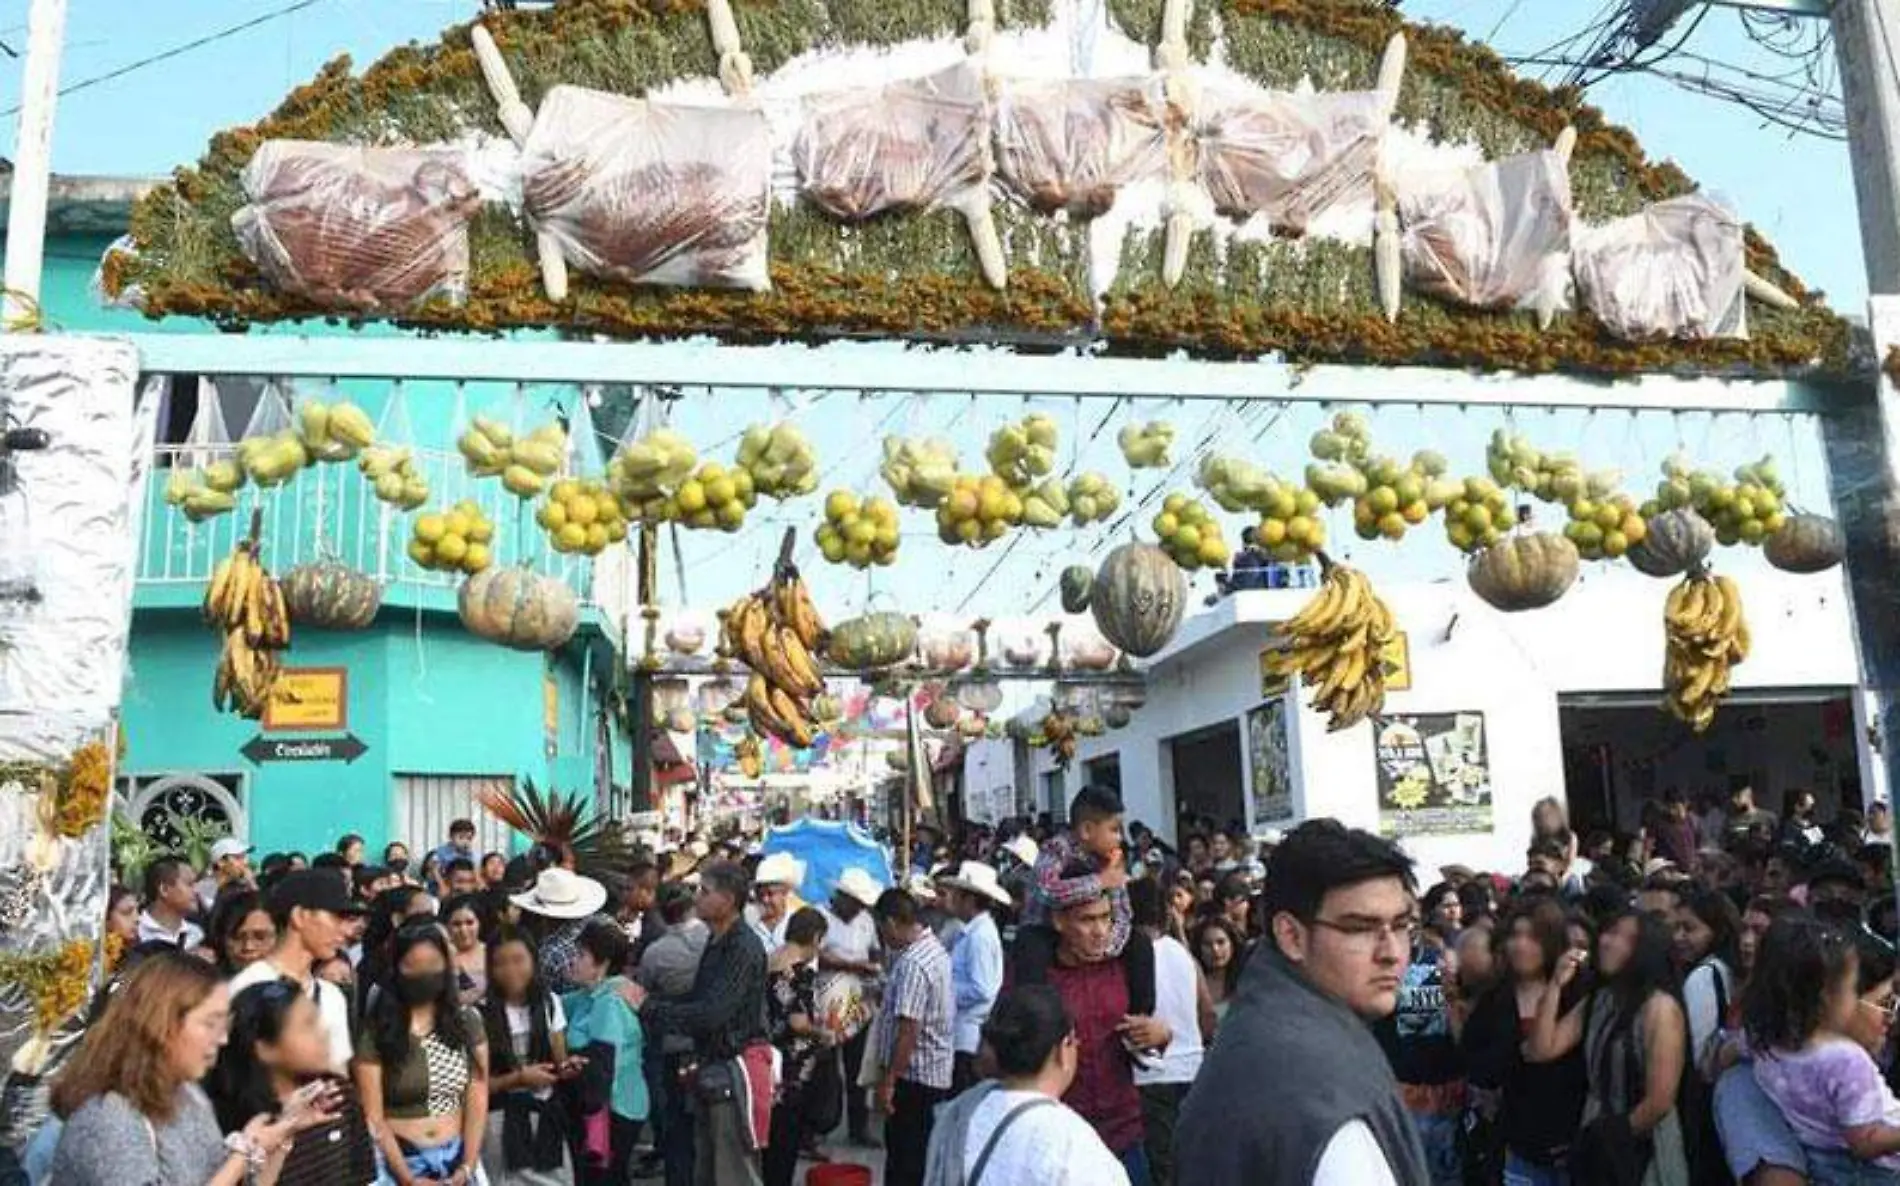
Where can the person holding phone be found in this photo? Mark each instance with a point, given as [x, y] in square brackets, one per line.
[526, 1143]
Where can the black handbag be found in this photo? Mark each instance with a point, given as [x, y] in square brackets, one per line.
[714, 1082]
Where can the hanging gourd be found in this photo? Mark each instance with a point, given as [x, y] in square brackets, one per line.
[518, 608]
[1673, 543]
[331, 596]
[942, 712]
[872, 641]
[1138, 598]
[1075, 586]
[1805, 544]
[1523, 571]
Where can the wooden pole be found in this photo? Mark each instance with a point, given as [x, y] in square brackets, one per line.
[643, 669]
[33, 165]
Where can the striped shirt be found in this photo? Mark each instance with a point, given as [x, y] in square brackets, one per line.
[919, 990]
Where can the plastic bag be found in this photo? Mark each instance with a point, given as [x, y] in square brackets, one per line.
[271, 451]
[361, 228]
[648, 193]
[1288, 156]
[1677, 270]
[907, 146]
[1069, 146]
[1488, 236]
[389, 466]
[205, 477]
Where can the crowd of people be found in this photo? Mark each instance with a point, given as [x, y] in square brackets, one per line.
[1706, 1001]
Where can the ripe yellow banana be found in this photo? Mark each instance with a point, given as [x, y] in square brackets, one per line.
[806, 679]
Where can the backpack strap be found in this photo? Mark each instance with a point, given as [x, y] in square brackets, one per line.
[1009, 1118]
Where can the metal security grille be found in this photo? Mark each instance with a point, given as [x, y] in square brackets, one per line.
[427, 803]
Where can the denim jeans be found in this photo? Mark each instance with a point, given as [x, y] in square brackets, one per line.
[1518, 1172]
[1439, 1135]
[1135, 1163]
[1838, 1167]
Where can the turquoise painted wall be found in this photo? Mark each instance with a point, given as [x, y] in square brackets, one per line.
[426, 697]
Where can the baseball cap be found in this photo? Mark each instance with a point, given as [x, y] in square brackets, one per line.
[1837, 869]
[230, 846]
[312, 889]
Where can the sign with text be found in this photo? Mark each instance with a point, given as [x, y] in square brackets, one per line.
[309, 700]
[1434, 774]
[345, 749]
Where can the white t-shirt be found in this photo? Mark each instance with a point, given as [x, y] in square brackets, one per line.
[1353, 1158]
[1176, 979]
[1047, 1146]
[854, 940]
[332, 1010]
[521, 1032]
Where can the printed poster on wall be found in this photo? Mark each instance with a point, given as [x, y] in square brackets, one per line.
[1272, 767]
[1434, 774]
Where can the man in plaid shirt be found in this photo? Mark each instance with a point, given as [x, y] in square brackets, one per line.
[914, 1036]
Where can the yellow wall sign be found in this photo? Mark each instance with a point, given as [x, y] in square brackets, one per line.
[550, 707]
[309, 700]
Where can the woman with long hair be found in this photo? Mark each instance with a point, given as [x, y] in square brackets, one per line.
[1217, 948]
[468, 929]
[387, 914]
[1538, 1102]
[132, 1108]
[278, 1047]
[241, 931]
[1181, 902]
[1443, 915]
[1707, 952]
[791, 1018]
[1811, 1018]
[422, 1065]
[526, 1143]
[1635, 1045]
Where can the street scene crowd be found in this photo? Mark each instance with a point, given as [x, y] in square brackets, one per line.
[1053, 1001]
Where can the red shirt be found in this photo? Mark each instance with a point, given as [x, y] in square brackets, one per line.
[1104, 1089]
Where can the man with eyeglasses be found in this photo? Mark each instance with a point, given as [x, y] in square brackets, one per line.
[1341, 911]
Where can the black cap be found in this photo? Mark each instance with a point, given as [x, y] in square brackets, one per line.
[313, 889]
[1835, 869]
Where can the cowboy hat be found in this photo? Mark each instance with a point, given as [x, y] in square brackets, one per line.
[921, 887]
[780, 868]
[859, 886]
[975, 877]
[1022, 848]
[558, 893]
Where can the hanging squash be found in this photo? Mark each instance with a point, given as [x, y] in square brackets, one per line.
[1088, 651]
[1075, 586]
[826, 711]
[980, 695]
[331, 596]
[685, 637]
[1673, 543]
[947, 650]
[1117, 716]
[1023, 651]
[1805, 544]
[1138, 598]
[872, 641]
[1523, 571]
[942, 712]
[518, 608]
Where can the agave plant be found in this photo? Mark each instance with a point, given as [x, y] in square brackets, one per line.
[566, 823]
[132, 848]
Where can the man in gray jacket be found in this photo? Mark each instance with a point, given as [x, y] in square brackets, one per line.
[1341, 909]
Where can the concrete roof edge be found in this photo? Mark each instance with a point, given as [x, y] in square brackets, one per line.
[87, 204]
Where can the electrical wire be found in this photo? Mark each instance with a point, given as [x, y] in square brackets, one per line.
[167, 55]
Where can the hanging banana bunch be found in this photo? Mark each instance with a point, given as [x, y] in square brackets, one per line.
[751, 756]
[776, 632]
[1706, 637]
[1336, 644]
[247, 606]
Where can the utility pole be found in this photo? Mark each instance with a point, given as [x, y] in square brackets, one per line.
[32, 165]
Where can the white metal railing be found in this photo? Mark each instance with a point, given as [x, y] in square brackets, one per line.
[328, 511]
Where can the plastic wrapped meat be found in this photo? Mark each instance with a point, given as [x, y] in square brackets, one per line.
[355, 227]
[648, 193]
[1069, 146]
[908, 146]
[1675, 270]
[1487, 237]
[1288, 156]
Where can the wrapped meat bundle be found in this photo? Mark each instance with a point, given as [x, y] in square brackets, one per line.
[358, 228]
[1069, 146]
[1491, 236]
[907, 146]
[1288, 156]
[1675, 270]
[648, 193]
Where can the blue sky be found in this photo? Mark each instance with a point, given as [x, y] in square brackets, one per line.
[1798, 190]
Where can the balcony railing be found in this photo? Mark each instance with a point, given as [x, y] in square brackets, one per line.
[329, 512]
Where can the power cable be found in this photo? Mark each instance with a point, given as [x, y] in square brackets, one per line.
[179, 50]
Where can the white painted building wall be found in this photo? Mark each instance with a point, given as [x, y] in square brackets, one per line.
[1604, 638]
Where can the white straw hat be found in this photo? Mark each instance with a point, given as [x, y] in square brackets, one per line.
[977, 878]
[1022, 848]
[861, 887]
[780, 868]
[558, 893]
